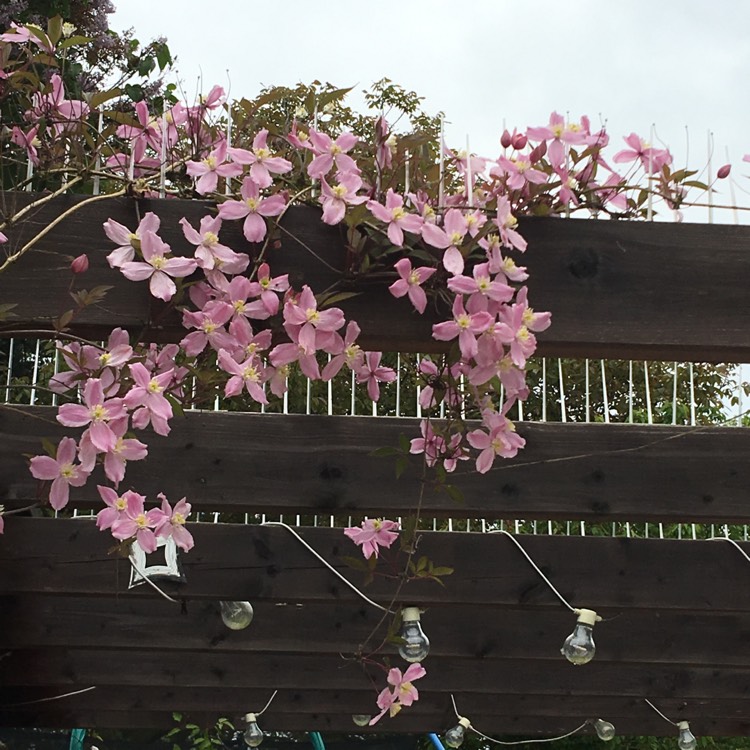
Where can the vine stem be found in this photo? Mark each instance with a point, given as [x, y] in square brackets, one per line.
[39, 202]
[73, 209]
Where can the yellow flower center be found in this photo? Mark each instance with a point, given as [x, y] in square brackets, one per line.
[528, 316]
[178, 518]
[252, 203]
[209, 326]
[509, 265]
[265, 282]
[312, 315]
[67, 471]
[352, 352]
[141, 521]
[339, 191]
[261, 153]
[154, 387]
[483, 283]
[98, 413]
[471, 220]
[238, 305]
[523, 334]
[158, 262]
[251, 349]
[121, 503]
[414, 278]
[209, 238]
[210, 162]
[557, 130]
[456, 238]
[463, 321]
[135, 241]
[250, 373]
[522, 165]
[335, 149]
[397, 213]
[104, 358]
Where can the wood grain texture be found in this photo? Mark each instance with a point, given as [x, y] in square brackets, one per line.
[309, 464]
[616, 289]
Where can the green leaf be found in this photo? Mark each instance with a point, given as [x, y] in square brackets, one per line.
[104, 96]
[163, 56]
[5, 310]
[176, 716]
[122, 118]
[64, 320]
[402, 464]
[336, 298]
[442, 571]
[39, 34]
[358, 563]
[54, 29]
[385, 451]
[74, 41]
[330, 96]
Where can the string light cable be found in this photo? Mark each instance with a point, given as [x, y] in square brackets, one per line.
[578, 647]
[454, 737]
[732, 542]
[685, 740]
[51, 698]
[330, 567]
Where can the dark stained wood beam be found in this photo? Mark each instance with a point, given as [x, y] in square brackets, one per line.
[237, 561]
[236, 462]
[497, 632]
[616, 289]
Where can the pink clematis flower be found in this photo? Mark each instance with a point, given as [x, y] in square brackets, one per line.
[411, 283]
[158, 268]
[95, 412]
[395, 216]
[345, 351]
[115, 460]
[253, 208]
[373, 534]
[269, 287]
[248, 374]
[147, 397]
[135, 522]
[651, 158]
[146, 133]
[61, 471]
[501, 440]
[27, 140]
[210, 324]
[519, 171]
[55, 108]
[128, 241]
[262, 164]
[403, 692]
[335, 199]
[559, 134]
[210, 253]
[172, 523]
[448, 238]
[329, 153]
[304, 319]
[482, 288]
[464, 325]
[507, 224]
[211, 168]
[116, 507]
[372, 373]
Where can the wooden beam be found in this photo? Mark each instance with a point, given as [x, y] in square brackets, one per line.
[236, 462]
[262, 563]
[497, 632]
[509, 726]
[616, 289]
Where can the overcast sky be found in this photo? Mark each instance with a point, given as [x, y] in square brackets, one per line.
[635, 63]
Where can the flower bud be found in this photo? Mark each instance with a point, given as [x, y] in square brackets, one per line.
[505, 139]
[538, 152]
[519, 141]
[723, 172]
[80, 264]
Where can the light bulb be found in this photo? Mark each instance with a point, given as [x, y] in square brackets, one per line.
[579, 646]
[455, 736]
[253, 735]
[361, 720]
[236, 615]
[605, 731]
[416, 645]
[686, 740]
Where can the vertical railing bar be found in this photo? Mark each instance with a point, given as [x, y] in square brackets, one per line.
[692, 394]
[563, 407]
[674, 393]
[9, 377]
[647, 380]
[34, 375]
[588, 392]
[544, 389]
[604, 393]
[631, 395]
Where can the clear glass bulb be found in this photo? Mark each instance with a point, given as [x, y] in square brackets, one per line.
[361, 720]
[579, 646]
[605, 731]
[416, 645]
[686, 740]
[236, 615]
[253, 735]
[454, 737]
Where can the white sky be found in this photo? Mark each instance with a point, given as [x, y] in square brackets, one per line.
[674, 63]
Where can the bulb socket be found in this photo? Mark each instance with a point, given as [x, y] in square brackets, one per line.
[410, 614]
[587, 617]
[683, 725]
[250, 718]
[464, 722]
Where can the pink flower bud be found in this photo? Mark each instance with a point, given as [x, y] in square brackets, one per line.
[538, 152]
[723, 171]
[505, 139]
[519, 141]
[80, 264]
